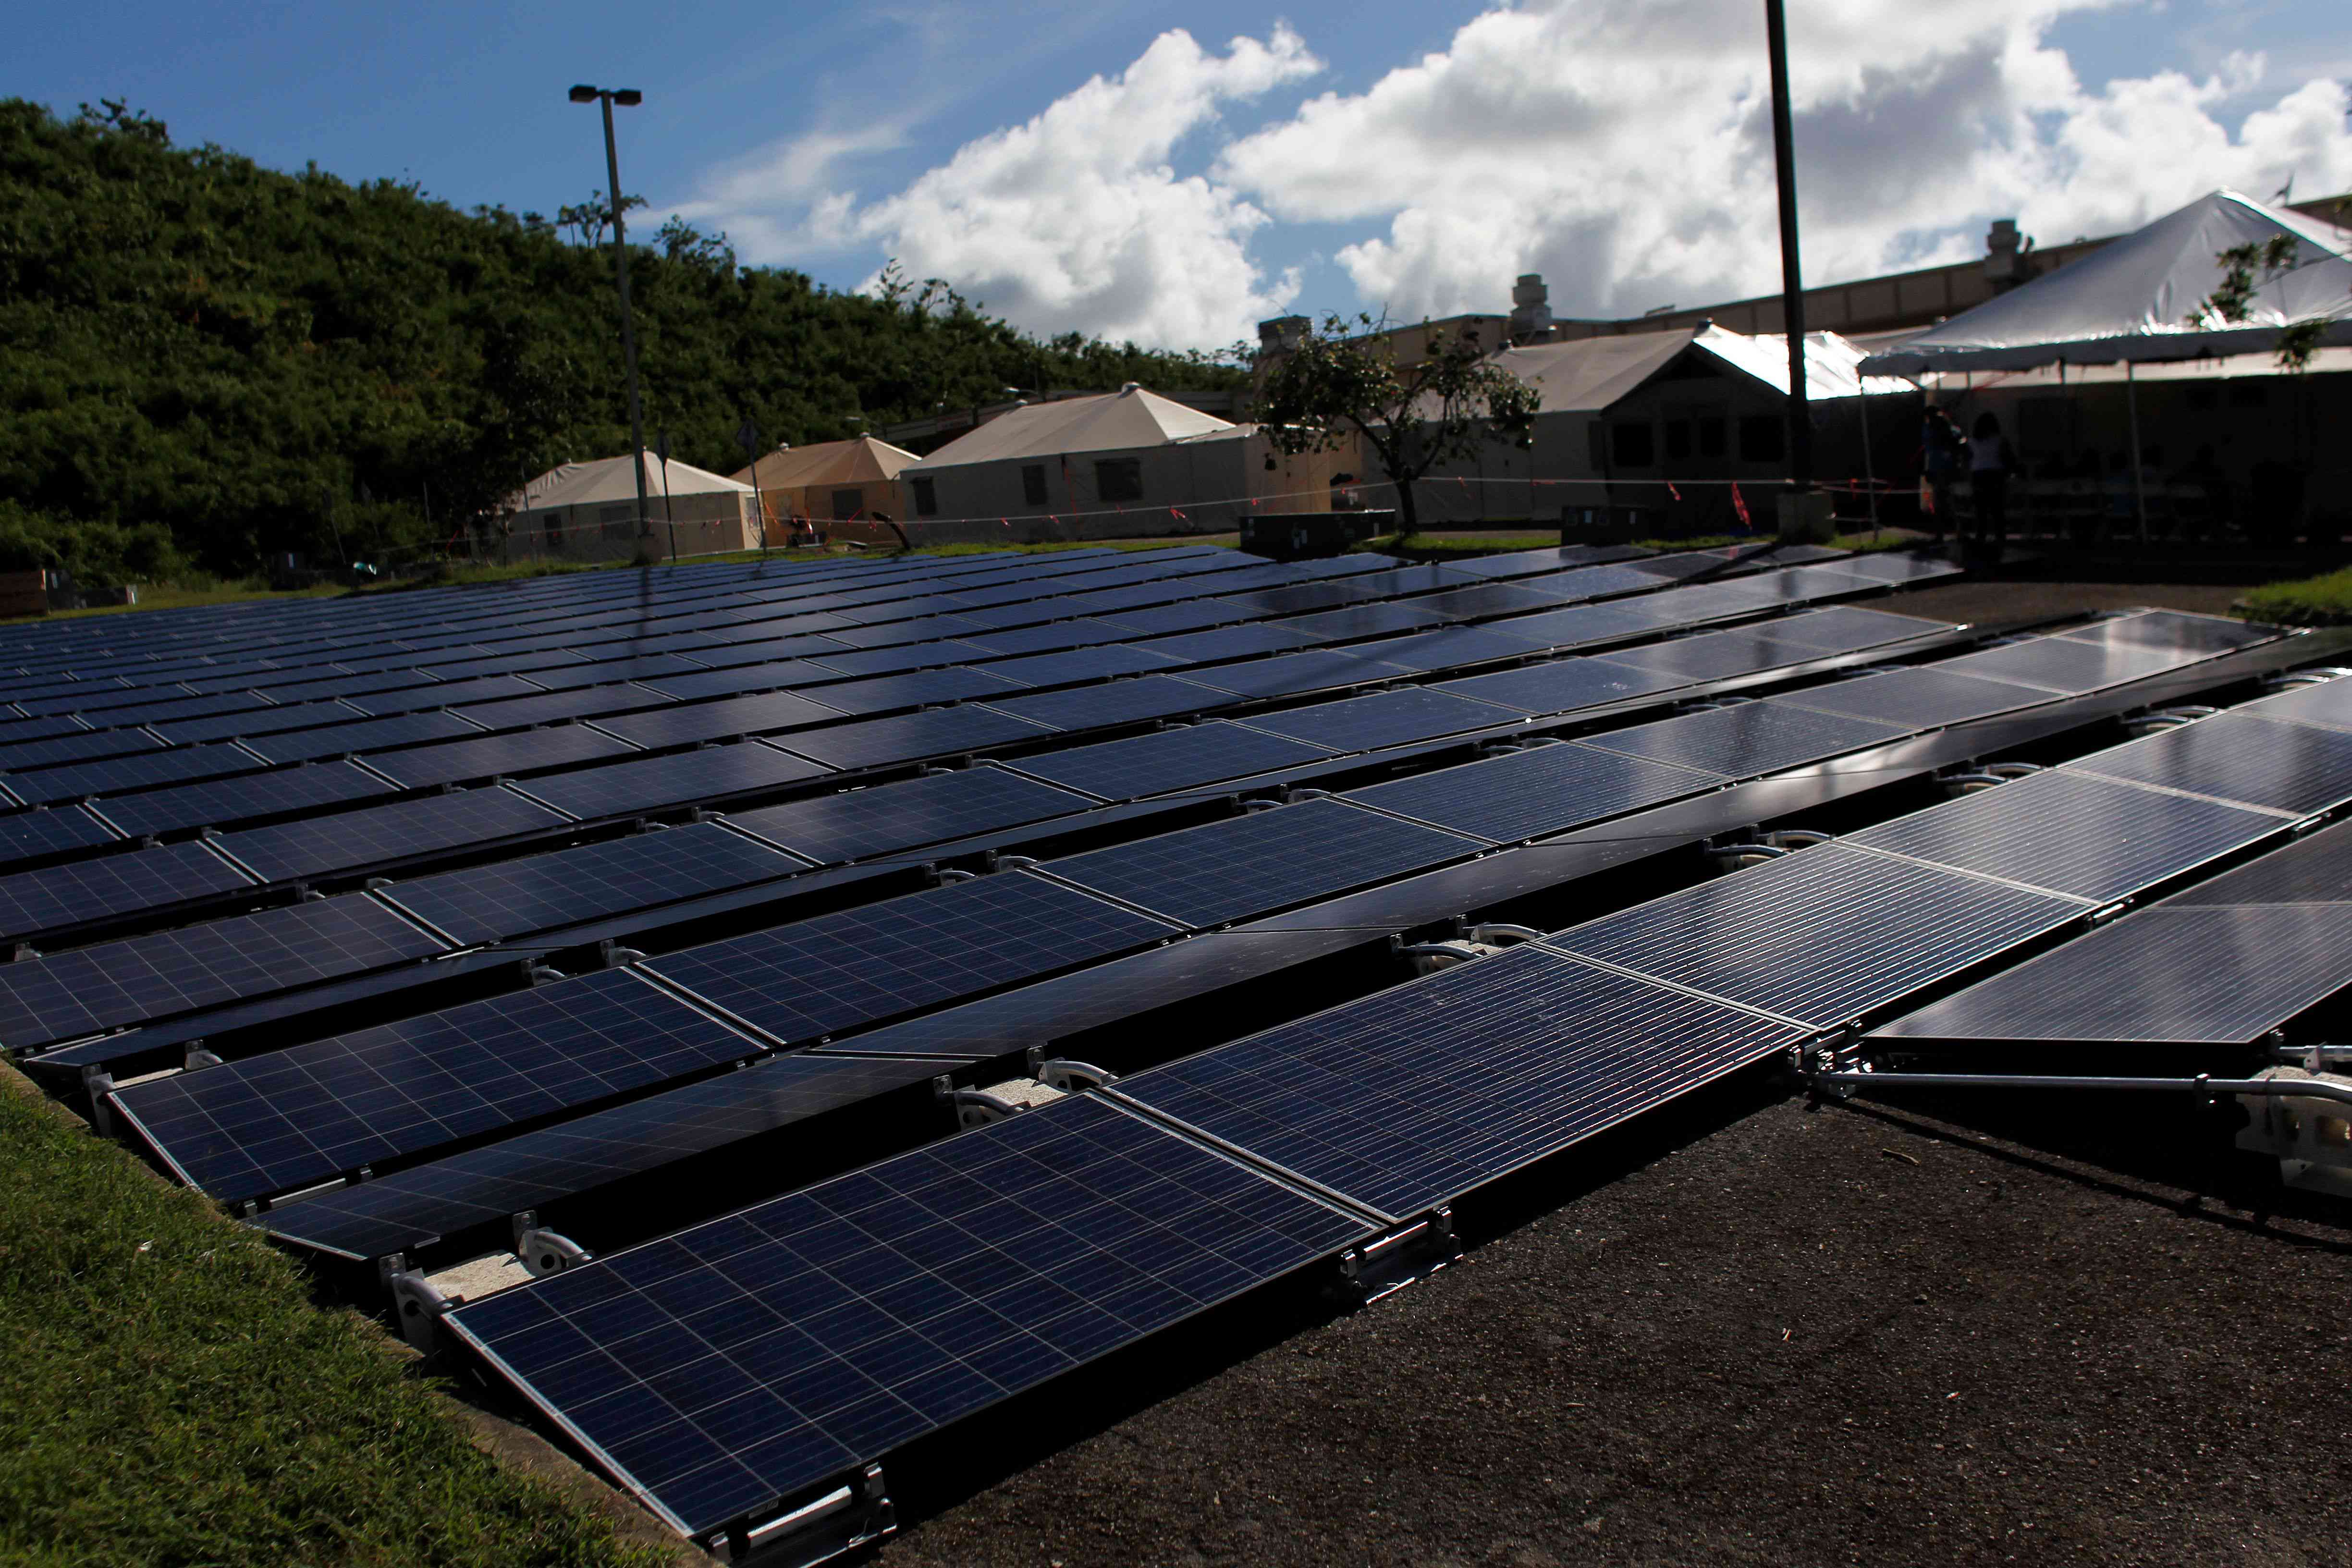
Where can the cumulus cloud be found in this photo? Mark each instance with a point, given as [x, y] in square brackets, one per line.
[1622, 148]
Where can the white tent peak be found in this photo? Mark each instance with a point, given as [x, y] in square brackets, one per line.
[606, 479]
[2135, 298]
[1129, 419]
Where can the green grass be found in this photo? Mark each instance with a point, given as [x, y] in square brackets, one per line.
[168, 1395]
[2324, 601]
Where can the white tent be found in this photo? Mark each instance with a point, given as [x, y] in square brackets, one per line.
[2142, 297]
[590, 510]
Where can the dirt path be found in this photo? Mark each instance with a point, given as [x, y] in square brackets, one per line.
[1797, 1338]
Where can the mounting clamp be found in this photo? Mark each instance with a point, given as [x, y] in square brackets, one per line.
[974, 1107]
[98, 1083]
[855, 1511]
[1069, 1077]
[545, 1252]
[199, 1055]
[1400, 1254]
[947, 874]
[417, 1301]
[1495, 933]
[612, 954]
[537, 973]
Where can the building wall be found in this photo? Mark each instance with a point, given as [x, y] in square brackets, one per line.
[1187, 487]
[704, 523]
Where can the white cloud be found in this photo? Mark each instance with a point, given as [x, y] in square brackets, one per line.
[1622, 148]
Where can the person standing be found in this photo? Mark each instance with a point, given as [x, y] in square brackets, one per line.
[1991, 462]
[1941, 448]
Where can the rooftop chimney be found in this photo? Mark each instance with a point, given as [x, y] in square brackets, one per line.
[1281, 334]
[2005, 251]
[1530, 308]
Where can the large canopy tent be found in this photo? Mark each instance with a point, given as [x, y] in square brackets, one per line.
[839, 481]
[2145, 297]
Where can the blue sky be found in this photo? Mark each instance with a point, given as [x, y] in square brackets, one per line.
[1406, 156]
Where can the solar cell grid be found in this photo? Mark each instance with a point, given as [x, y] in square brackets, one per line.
[1421, 1093]
[2312, 870]
[907, 814]
[1561, 685]
[2072, 834]
[1713, 656]
[881, 662]
[565, 887]
[1585, 624]
[487, 756]
[164, 712]
[1123, 701]
[818, 976]
[657, 784]
[1748, 738]
[1261, 862]
[66, 995]
[287, 1119]
[1384, 718]
[61, 897]
[774, 1347]
[43, 831]
[2056, 664]
[693, 722]
[1821, 936]
[2294, 768]
[1191, 616]
[241, 798]
[382, 834]
[1922, 697]
[409, 1208]
[360, 735]
[579, 702]
[443, 694]
[1357, 621]
[1525, 794]
[137, 769]
[1847, 627]
[1051, 638]
[2329, 703]
[912, 737]
[1171, 760]
[1041, 670]
[1290, 674]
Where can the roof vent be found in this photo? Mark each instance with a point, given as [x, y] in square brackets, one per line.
[1130, 386]
[1530, 309]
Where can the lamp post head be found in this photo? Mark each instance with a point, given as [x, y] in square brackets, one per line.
[628, 96]
[583, 94]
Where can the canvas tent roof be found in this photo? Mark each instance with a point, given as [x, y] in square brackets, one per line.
[608, 479]
[1588, 376]
[1109, 422]
[2132, 299]
[862, 460]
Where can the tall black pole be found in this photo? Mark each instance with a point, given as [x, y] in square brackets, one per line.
[628, 329]
[1792, 282]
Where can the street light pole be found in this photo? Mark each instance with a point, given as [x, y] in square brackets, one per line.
[626, 97]
[1792, 283]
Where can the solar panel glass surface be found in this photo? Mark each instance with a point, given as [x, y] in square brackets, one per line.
[1383, 718]
[1747, 737]
[744, 1360]
[361, 735]
[907, 814]
[911, 737]
[1525, 794]
[378, 835]
[2270, 763]
[1172, 760]
[59, 897]
[243, 798]
[45, 830]
[487, 756]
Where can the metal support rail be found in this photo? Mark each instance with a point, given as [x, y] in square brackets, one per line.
[1844, 1085]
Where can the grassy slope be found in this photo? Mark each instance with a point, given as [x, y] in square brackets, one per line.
[2324, 601]
[169, 1394]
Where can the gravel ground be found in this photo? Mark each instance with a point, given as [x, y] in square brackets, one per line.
[1746, 1333]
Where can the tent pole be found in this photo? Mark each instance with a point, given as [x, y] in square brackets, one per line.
[2140, 486]
[1869, 480]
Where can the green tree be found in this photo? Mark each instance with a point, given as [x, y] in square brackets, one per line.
[1343, 384]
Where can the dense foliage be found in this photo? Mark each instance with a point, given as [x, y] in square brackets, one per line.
[260, 362]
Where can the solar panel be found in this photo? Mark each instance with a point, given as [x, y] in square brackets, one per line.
[1844, 628]
[2058, 665]
[1526, 794]
[43, 831]
[487, 756]
[2328, 703]
[1922, 698]
[1561, 685]
[14, 731]
[741, 1362]
[579, 702]
[64, 995]
[1821, 936]
[911, 737]
[503, 663]
[261, 722]
[716, 720]
[914, 690]
[1491, 599]
[2201, 975]
[1194, 614]
[1261, 862]
[897, 633]
[1747, 737]
[1384, 718]
[2317, 869]
[2072, 834]
[60, 897]
[1886, 566]
[1594, 582]
[141, 770]
[2257, 762]
[290, 1119]
[1363, 621]
[1052, 637]
[378, 835]
[80, 746]
[1532, 562]
[408, 1209]
[1227, 642]
[1172, 760]
[565, 887]
[762, 677]
[1298, 598]
[243, 798]
[1585, 624]
[647, 666]
[360, 735]
[444, 694]
[1125, 701]
[1040, 669]
[818, 976]
[1410, 1097]
[907, 814]
[668, 783]
[1290, 674]
[1449, 647]
[1715, 655]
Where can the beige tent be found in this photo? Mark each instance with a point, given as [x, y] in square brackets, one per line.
[1129, 463]
[588, 512]
[833, 481]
